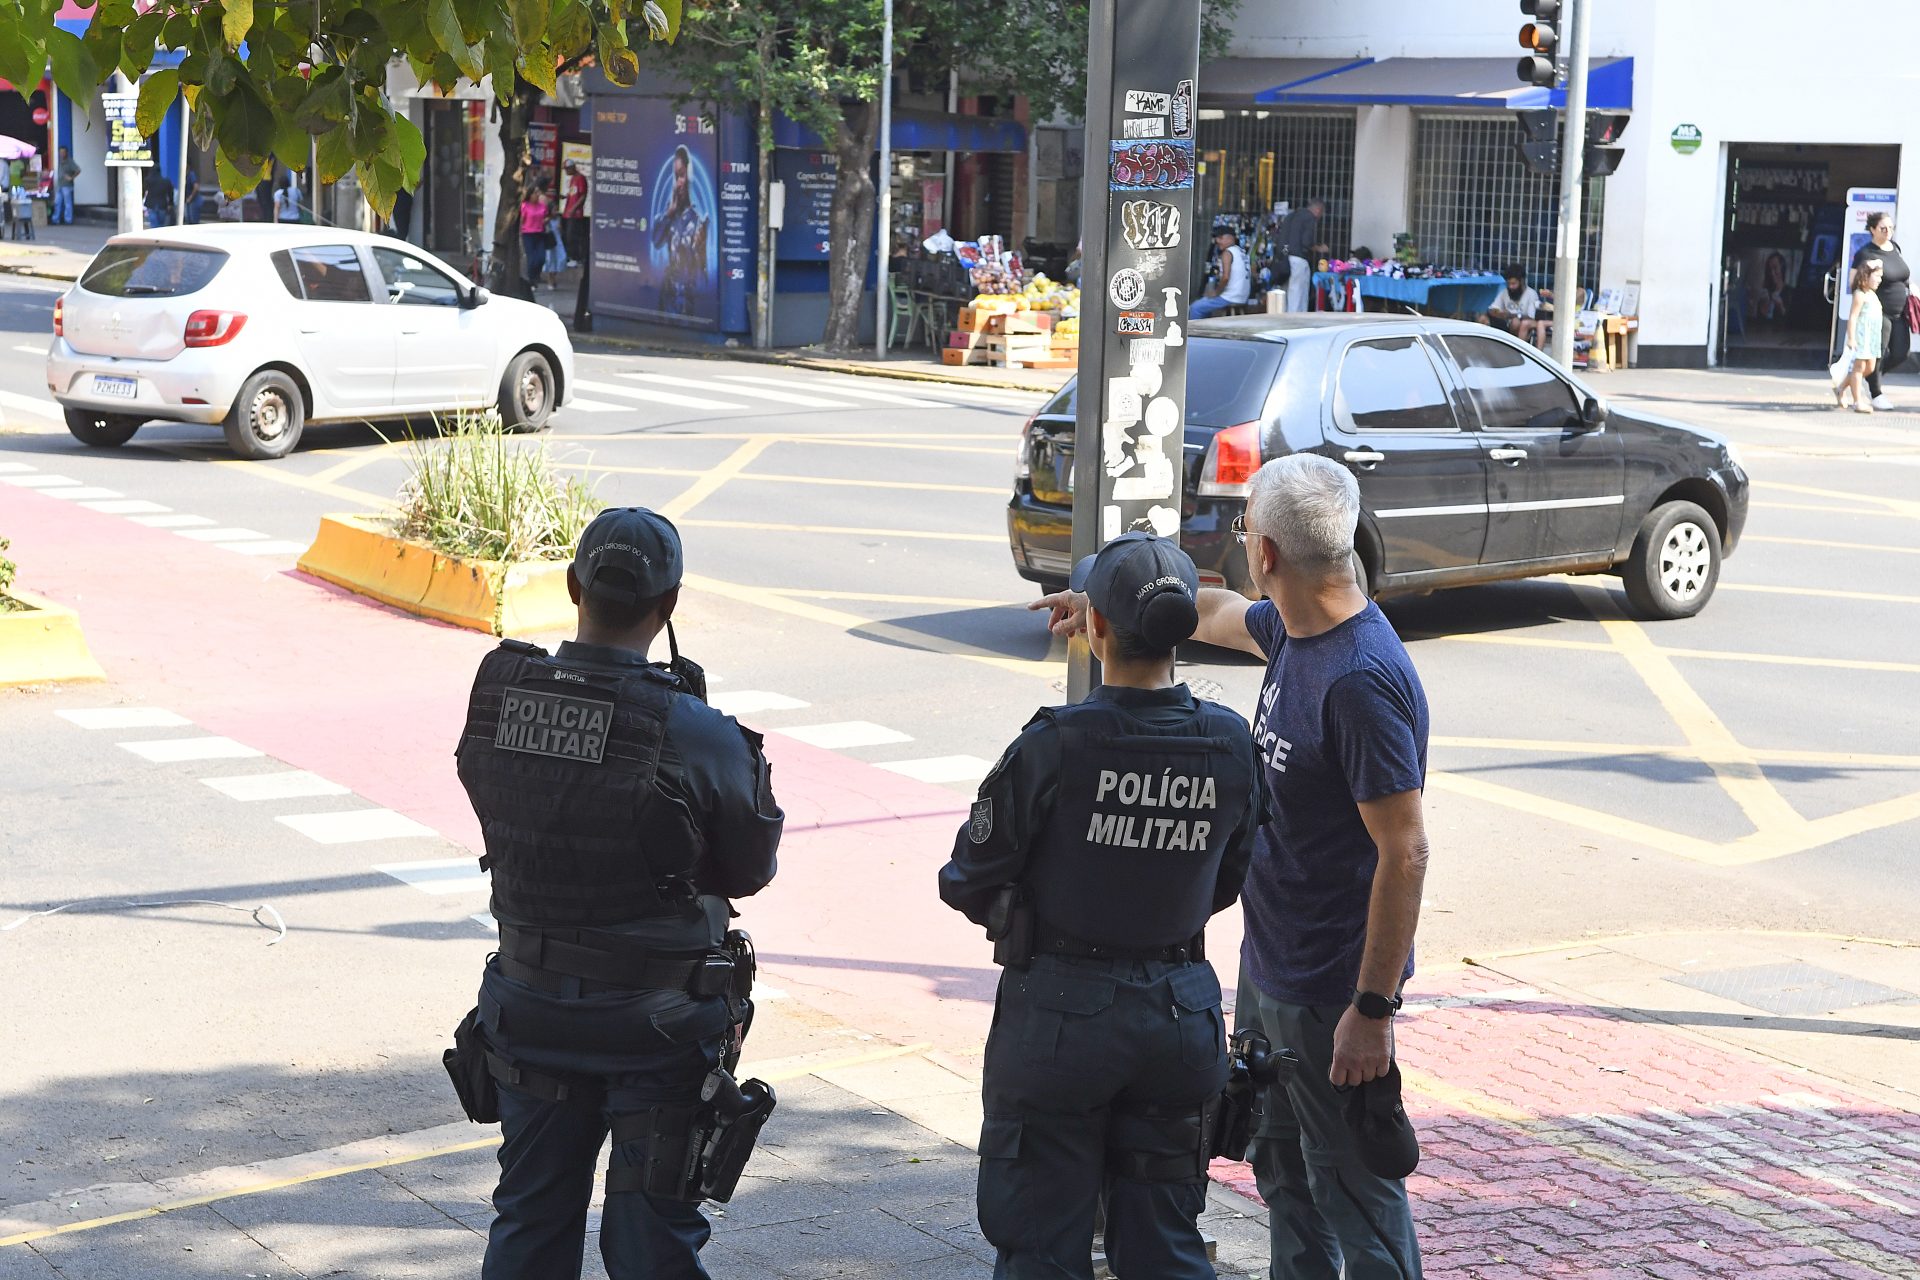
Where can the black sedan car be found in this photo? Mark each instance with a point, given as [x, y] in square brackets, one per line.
[1477, 458]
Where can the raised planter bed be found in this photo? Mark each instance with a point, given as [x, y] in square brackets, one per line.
[42, 643]
[364, 555]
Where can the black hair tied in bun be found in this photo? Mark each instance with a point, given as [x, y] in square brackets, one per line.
[1169, 618]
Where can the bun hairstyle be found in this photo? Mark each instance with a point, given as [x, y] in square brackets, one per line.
[1169, 618]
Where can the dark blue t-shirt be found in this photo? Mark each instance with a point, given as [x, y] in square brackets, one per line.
[1342, 720]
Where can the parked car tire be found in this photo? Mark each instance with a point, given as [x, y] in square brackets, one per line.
[101, 430]
[1675, 562]
[527, 393]
[267, 416]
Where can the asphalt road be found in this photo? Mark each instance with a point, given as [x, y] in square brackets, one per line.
[1756, 767]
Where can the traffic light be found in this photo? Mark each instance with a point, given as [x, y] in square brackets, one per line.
[1603, 132]
[1540, 38]
[1539, 144]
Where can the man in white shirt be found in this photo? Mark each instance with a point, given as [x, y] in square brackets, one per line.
[1235, 285]
[1517, 310]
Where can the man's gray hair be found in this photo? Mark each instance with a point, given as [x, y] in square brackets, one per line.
[1309, 506]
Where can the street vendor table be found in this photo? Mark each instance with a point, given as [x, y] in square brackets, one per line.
[1447, 295]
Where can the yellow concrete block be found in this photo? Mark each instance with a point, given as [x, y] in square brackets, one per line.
[362, 554]
[43, 643]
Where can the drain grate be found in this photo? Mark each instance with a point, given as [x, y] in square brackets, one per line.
[1793, 989]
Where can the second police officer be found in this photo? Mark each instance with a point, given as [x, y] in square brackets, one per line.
[620, 814]
[1100, 845]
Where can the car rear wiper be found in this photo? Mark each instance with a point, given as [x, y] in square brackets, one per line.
[143, 290]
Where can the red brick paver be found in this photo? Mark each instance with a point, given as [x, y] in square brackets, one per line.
[1561, 1139]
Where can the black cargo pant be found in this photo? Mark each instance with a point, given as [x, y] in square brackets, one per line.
[1097, 1072]
[1896, 344]
[644, 1050]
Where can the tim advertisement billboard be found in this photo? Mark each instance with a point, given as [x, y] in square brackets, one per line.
[672, 215]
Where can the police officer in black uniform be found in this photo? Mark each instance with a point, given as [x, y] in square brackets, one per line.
[1100, 845]
[620, 814]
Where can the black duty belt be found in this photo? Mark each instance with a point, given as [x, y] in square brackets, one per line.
[554, 960]
[1048, 942]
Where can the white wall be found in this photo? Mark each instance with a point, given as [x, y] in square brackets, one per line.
[89, 150]
[1437, 28]
[1382, 177]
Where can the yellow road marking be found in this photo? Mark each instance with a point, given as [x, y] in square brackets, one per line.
[846, 531]
[1557, 746]
[1606, 824]
[1739, 773]
[1764, 845]
[1712, 655]
[1823, 593]
[360, 457]
[1897, 506]
[834, 481]
[1835, 546]
[267, 471]
[715, 478]
[881, 597]
[853, 622]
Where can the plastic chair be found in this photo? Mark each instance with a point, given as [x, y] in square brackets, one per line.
[931, 314]
[900, 312]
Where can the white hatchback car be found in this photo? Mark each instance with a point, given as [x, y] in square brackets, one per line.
[264, 329]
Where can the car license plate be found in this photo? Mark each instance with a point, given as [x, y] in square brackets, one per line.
[125, 388]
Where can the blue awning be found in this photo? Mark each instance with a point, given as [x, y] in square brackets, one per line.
[1488, 83]
[161, 57]
[921, 131]
[1253, 81]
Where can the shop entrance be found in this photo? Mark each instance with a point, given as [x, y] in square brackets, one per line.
[1785, 207]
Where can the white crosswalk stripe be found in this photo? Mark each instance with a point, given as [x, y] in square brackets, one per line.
[852, 393]
[592, 406]
[439, 876]
[751, 702]
[290, 784]
[15, 468]
[26, 350]
[176, 521]
[33, 406]
[941, 768]
[846, 733]
[220, 535]
[38, 481]
[650, 396]
[778, 397]
[178, 750]
[271, 547]
[82, 491]
[351, 826]
[125, 507]
[123, 718]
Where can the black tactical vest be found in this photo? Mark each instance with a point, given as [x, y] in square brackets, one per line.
[1140, 819]
[560, 763]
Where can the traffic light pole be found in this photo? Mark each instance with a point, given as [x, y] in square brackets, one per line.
[1573, 146]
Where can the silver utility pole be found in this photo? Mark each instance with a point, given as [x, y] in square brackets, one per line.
[883, 232]
[131, 204]
[186, 127]
[1573, 152]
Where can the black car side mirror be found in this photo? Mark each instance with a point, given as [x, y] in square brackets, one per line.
[1593, 414]
[474, 297]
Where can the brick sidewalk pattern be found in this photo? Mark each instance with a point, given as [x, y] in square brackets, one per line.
[1561, 1139]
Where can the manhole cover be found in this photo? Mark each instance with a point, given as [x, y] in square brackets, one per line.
[1792, 989]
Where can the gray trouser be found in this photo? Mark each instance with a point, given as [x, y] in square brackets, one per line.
[1323, 1207]
[1299, 283]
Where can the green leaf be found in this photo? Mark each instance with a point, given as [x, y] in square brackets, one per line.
[236, 18]
[74, 69]
[538, 66]
[103, 46]
[663, 19]
[617, 61]
[570, 28]
[327, 102]
[237, 177]
[530, 22]
[444, 22]
[20, 58]
[408, 147]
[157, 93]
[141, 39]
[334, 151]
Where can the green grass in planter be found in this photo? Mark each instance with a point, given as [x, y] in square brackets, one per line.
[476, 491]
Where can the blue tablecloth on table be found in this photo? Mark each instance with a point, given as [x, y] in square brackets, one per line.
[1467, 295]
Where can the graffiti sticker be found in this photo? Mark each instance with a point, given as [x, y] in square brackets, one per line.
[1128, 288]
[1183, 109]
[1145, 127]
[1134, 324]
[1148, 224]
[1148, 104]
[1150, 166]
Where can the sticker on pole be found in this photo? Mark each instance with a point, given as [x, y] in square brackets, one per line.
[1146, 351]
[1134, 324]
[1183, 109]
[1150, 166]
[1165, 521]
[1123, 402]
[1127, 288]
[1147, 379]
[1148, 104]
[1148, 224]
[1163, 416]
[1145, 127]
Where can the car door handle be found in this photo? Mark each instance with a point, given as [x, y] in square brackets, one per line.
[1364, 457]
[1508, 456]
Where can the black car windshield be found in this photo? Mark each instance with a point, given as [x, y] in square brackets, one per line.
[1227, 382]
[151, 271]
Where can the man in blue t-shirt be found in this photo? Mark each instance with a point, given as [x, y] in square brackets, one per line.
[1332, 896]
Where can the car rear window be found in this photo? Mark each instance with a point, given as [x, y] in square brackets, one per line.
[330, 273]
[1227, 382]
[151, 270]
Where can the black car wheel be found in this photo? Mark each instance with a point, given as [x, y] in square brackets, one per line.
[101, 430]
[526, 393]
[267, 417]
[1675, 562]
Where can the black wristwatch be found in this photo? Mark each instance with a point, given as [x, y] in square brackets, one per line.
[1374, 1005]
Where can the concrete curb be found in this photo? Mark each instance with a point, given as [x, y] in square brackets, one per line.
[12, 270]
[752, 355]
[43, 644]
[499, 598]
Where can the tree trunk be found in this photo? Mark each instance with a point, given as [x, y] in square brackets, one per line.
[854, 137]
[509, 274]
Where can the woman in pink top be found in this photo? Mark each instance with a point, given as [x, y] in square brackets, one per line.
[533, 229]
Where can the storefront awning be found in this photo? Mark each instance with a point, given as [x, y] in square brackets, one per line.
[1450, 82]
[1252, 81]
[922, 131]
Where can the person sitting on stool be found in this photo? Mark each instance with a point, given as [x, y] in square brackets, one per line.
[1235, 284]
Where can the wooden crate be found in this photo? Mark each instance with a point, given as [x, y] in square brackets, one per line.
[1020, 322]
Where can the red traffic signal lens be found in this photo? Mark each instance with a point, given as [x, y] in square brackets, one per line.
[1539, 37]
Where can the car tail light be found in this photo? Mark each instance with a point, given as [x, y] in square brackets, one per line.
[60, 317]
[1232, 459]
[214, 328]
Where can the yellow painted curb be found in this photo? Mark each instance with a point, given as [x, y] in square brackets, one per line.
[43, 644]
[362, 554]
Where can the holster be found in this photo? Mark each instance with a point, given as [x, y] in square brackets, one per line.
[694, 1153]
[1010, 927]
[466, 1065]
[1252, 1068]
[738, 946]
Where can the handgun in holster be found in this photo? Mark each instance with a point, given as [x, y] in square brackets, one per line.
[731, 1120]
[1252, 1067]
[1010, 927]
[738, 946]
[466, 1065]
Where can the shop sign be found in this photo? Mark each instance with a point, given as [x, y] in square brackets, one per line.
[543, 143]
[127, 147]
[1686, 138]
[807, 233]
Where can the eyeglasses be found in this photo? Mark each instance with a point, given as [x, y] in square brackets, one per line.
[1240, 530]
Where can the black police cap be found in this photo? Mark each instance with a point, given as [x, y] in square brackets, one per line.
[627, 555]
